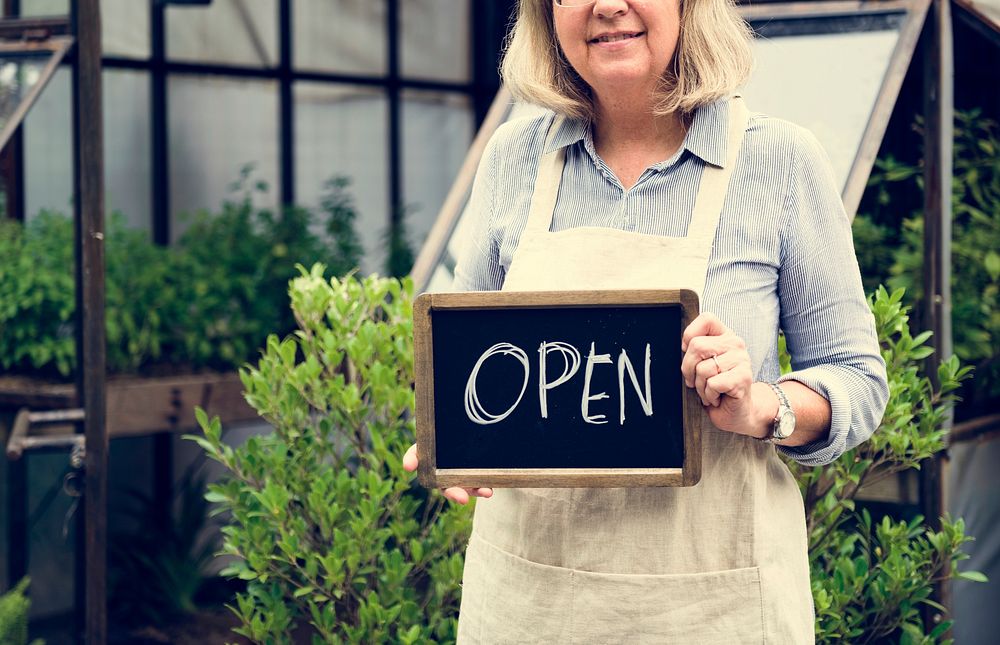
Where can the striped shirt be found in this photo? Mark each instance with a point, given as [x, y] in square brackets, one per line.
[783, 255]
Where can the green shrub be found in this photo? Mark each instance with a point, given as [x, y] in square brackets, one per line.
[14, 606]
[36, 294]
[871, 578]
[207, 302]
[326, 527]
[890, 250]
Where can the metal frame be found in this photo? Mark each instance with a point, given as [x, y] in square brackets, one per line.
[57, 46]
[939, 119]
[286, 75]
[37, 35]
[488, 25]
[81, 32]
[88, 190]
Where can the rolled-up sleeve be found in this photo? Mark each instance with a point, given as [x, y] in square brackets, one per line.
[828, 326]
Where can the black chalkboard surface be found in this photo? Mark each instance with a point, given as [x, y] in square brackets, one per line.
[546, 389]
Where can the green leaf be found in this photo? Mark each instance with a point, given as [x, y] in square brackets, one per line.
[972, 576]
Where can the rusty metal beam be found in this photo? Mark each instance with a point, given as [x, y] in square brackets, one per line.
[88, 180]
[33, 28]
[939, 107]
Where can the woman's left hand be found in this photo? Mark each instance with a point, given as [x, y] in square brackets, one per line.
[717, 365]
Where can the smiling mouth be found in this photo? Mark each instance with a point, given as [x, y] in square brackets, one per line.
[613, 38]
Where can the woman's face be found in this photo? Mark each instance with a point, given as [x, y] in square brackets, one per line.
[619, 45]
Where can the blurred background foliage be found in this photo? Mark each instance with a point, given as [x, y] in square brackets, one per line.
[209, 301]
[889, 242]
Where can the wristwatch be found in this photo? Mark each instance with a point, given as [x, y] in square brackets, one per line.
[784, 421]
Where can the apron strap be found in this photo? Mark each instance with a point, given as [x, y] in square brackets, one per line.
[711, 190]
[543, 200]
[715, 181]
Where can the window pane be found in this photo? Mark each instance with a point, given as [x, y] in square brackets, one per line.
[342, 130]
[48, 141]
[443, 275]
[216, 127]
[435, 39]
[437, 133]
[835, 104]
[127, 179]
[44, 8]
[125, 28]
[242, 32]
[346, 36]
[18, 76]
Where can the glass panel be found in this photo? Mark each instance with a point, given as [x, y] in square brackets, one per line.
[346, 36]
[52, 556]
[17, 77]
[990, 8]
[342, 130]
[48, 156]
[217, 126]
[444, 272]
[48, 149]
[835, 104]
[31, 8]
[127, 164]
[242, 32]
[437, 132]
[125, 28]
[434, 37]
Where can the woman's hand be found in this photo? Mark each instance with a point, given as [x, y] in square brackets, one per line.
[455, 494]
[717, 365]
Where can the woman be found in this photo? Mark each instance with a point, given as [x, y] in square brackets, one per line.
[649, 174]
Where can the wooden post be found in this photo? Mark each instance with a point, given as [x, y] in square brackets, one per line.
[936, 314]
[88, 191]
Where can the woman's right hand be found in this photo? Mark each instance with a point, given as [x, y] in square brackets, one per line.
[455, 494]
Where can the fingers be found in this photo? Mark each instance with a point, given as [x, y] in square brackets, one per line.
[700, 351]
[410, 460]
[455, 493]
[735, 384]
[734, 364]
[463, 495]
[706, 324]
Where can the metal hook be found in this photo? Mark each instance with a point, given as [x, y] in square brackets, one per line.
[72, 486]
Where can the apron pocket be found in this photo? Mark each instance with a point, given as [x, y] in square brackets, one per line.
[507, 599]
[723, 607]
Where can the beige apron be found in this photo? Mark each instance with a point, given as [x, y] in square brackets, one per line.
[721, 562]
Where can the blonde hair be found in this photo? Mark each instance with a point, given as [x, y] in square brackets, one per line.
[713, 57]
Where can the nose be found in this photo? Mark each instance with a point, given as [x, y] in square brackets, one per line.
[610, 8]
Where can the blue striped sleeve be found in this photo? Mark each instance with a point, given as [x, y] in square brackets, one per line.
[827, 323]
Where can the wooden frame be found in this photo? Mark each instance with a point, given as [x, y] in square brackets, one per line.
[431, 476]
[136, 406]
[57, 47]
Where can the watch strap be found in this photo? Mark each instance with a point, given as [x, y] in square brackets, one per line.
[783, 405]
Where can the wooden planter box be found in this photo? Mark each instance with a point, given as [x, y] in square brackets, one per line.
[139, 406]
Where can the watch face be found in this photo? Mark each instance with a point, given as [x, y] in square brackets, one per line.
[786, 424]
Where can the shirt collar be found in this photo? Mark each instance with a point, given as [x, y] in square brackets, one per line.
[707, 138]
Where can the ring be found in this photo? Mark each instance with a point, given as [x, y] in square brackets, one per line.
[717, 367]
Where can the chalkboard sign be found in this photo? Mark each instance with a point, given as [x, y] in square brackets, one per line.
[555, 389]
